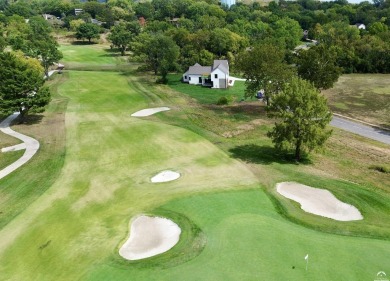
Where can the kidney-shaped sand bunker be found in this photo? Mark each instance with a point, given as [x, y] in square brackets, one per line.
[318, 201]
[150, 236]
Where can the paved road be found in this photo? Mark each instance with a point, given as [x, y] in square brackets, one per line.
[360, 129]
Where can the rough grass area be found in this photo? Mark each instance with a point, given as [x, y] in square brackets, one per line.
[365, 97]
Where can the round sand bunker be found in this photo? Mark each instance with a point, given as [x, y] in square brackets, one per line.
[165, 176]
[149, 111]
[318, 201]
[150, 236]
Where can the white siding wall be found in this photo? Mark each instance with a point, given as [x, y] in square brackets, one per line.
[194, 79]
[221, 75]
[184, 77]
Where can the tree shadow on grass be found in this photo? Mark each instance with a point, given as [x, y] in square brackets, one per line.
[30, 119]
[83, 43]
[266, 155]
[112, 55]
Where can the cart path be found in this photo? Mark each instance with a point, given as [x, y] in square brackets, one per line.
[31, 145]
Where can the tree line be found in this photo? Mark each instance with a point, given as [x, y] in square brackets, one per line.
[205, 30]
[27, 50]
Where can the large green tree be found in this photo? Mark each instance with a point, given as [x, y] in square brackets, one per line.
[21, 87]
[159, 52]
[123, 34]
[319, 66]
[87, 31]
[302, 115]
[264, 68]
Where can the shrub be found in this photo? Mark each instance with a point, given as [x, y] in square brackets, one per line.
[222, 101]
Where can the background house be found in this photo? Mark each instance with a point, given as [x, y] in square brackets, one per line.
[215, 76]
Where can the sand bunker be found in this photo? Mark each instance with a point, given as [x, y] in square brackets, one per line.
[319, 201]
[150, 236]
[165, 176]
[149, 111]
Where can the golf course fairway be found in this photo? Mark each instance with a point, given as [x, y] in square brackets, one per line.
[230, 229]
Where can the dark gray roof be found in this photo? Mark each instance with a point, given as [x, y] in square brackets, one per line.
[197, 69]
[222, 65]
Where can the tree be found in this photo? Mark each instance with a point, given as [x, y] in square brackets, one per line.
[22, 85]
[160, 53]
[302, 115]
[87, 31]
[287, 31]
[74, 24]
[48, 53]
[319, 66]
[264, 68]
[123, 34]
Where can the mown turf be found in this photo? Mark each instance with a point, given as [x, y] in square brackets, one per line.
[235, 227]
[92, 57]
[247, 240]
[106, 179]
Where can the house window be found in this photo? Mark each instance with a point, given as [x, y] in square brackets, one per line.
[189, 78]
[200, 80]
[185, 77]
[215, 75]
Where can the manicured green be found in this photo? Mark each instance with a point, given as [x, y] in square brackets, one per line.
[247, 240]
[235, 226]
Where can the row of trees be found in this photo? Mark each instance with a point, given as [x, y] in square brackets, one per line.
[27, 50]
[203, 30]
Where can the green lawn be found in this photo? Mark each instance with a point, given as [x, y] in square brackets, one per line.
[362, 96]
[207, 95]
[91, 57]
[235, 226]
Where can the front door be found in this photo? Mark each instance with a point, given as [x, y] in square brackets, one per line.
[200, 80]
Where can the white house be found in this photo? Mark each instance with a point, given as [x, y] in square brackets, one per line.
[216, 76]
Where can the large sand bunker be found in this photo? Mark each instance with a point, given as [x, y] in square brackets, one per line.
[165, 176]
[150, 236]
[149, 111]
[319, 201]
